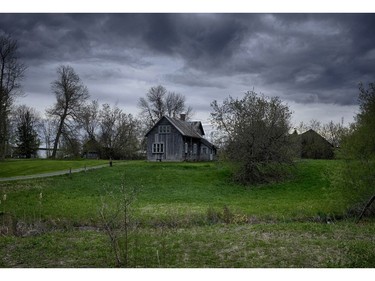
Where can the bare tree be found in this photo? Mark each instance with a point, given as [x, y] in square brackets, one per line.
[158, 102]
[90, 119]
[331, 131]
[334, 132]
[11, 72]
[47, 131]
[71, 95]
[175, 105]
[118, 133]
[153, 106]
[313, 125]
[108, 132]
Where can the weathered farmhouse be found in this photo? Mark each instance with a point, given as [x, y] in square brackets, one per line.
[314, 146]
[172, 139]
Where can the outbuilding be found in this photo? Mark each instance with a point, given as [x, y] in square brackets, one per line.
[314, 146]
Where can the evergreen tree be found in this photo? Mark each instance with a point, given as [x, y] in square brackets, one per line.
[27, 136]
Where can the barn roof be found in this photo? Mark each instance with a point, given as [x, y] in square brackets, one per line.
[312, 132]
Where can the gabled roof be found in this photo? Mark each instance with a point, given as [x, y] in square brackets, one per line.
[187, 129]
[198, 127]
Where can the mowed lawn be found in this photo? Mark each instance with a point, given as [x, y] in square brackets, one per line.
[12, 168]
[187, 215]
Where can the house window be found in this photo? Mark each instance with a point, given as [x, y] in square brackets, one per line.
[164, 129]
[186, 147]
[195, 148]
[158, 147]
[204, 150]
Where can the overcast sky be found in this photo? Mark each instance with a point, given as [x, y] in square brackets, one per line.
[313, 62]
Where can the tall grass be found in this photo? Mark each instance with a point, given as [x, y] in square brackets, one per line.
[302, 245]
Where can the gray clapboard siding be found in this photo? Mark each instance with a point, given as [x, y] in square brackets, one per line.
[171, 139]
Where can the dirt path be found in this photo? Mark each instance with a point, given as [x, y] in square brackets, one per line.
[52, 174]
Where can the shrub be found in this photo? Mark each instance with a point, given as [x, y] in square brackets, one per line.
[257, 140]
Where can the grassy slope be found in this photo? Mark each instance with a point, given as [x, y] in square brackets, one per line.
[11, 168]
[170, 190]
[179, 194]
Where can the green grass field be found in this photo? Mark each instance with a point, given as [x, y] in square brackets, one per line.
[187, 215]
[12, 168]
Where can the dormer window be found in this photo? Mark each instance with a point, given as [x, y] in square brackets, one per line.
[164, 129]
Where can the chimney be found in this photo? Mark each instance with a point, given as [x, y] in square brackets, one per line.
[182, 117]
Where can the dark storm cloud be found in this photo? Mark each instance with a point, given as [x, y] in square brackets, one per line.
[306, 58]
[47, 37]
[161, 33]
[314, 55]
[193, 37]
[209, 38]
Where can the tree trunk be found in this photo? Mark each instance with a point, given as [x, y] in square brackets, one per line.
[58, 134]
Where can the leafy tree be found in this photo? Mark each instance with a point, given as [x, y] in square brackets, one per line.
[257, 136]
[11, 73]
[356, 175]
[27, 136]
[71, 94]
[158, 102]
[361, 143]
